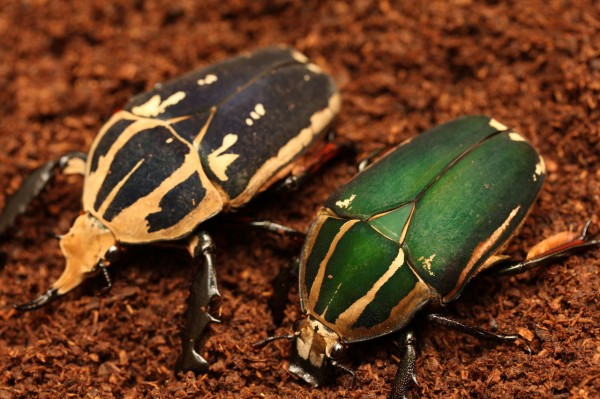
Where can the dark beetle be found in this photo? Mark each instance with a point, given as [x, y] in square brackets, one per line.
[193, 147]
[412, 230]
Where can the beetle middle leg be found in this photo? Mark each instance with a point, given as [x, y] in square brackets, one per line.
[281, 287]
[202, 291]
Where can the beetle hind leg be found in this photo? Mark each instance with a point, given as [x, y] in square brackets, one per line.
[202, 292]
[309, 163]
[471, 330]
[546, 251]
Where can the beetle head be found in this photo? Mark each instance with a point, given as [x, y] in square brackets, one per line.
[315, 347]
[85, 247]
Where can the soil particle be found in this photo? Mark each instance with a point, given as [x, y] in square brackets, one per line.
[402, 67]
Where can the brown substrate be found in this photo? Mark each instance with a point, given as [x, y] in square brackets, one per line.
[402, 68]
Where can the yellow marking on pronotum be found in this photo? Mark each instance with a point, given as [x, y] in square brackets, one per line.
[345, 203]
[202, 132]
[207, 80]
[479, 252]
[318, 121]
[348, 317]
[219, 162]
[497, 125]
[316, 287]
[75, 166]
[333, 296]
[154, 106]
[131, 222]
[111, 196]
[130, 225]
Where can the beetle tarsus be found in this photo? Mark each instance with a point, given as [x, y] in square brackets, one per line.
[202, 291]
[346, 370]
[40, 301]
[406, 374]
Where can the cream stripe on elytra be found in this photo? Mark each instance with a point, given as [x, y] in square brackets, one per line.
[318, 121]
[348, 317]
[316, 287]
[130, 224]
[113, 193]
[94, 180]
[480, 250]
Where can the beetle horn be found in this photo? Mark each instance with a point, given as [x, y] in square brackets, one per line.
[40, 301]
[85, 248]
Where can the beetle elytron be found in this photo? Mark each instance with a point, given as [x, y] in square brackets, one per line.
[411, 230]
[179, 154]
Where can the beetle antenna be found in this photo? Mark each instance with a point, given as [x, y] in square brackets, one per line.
[268, 340]
[346, 370]
[104, 270]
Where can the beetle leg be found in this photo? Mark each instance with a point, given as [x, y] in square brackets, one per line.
[406, 375]
[471, 330]
[371, 157]
[307, 165]
[559, 245]
[31, 187]
[276, 228]
[202, 291]
[281, 288]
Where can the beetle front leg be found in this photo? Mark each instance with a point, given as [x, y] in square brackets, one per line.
[281, 288]
[406, 375]
[32, 186]
[202, 291]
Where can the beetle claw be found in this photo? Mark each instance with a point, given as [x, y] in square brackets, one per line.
[40, 301]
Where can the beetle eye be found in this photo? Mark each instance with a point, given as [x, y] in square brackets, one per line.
[112, 254]
[338, 351]
[297, 324]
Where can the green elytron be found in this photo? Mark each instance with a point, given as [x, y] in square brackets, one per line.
[411, 230]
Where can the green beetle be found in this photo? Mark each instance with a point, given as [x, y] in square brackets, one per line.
[201, 144]
[412, 230]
